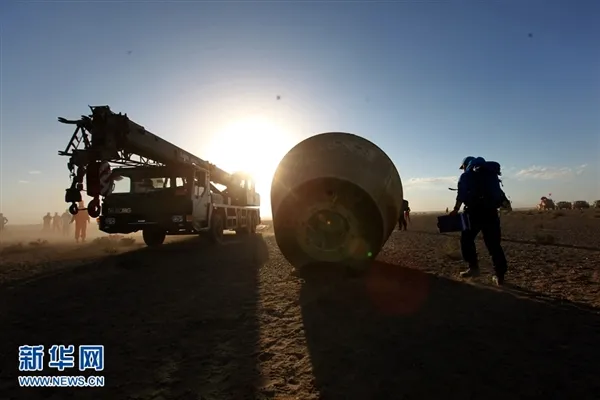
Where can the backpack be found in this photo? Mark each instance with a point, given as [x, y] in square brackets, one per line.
[484, 189]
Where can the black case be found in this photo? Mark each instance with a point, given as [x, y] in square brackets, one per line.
[453, 223]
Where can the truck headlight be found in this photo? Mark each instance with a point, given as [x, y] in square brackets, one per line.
[110, 221]
[177, 218]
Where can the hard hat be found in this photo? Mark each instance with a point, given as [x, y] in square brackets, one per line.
[466, 162]
[476, 162]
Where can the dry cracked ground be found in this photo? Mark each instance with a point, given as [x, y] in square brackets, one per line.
[191, 321]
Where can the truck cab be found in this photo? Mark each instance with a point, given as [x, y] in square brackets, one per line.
[175, 200]
[149, 196]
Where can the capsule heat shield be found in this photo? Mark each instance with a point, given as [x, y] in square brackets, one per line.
[335, 198]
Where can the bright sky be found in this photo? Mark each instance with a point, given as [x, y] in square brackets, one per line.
[428, 82]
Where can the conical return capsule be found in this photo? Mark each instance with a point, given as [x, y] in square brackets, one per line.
[335, 198]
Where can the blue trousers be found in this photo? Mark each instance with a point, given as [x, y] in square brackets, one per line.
[486, 221]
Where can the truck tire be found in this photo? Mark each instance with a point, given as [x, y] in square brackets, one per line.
[153, 237]
[94, 208]
[217, 226]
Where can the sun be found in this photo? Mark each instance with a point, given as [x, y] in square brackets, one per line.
[254, 145]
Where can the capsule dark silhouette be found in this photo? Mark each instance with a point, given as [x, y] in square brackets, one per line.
[335, 198]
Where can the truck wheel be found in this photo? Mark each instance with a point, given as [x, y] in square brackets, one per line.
[94, 208]
[73, 209]
[216, 228]
[153, 237]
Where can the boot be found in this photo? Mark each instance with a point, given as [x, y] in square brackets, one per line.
[498, 280]
[472, 272]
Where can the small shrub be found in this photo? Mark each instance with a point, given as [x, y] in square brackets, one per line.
[13, 248]
[558, 214]
[110, 250]
[111, 243]
[544, 238]
[126, 242]
[110, 240]
[39, 242]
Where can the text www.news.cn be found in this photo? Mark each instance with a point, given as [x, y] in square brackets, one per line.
[61, 381]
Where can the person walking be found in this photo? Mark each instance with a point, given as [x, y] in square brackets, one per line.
[3, 222]
[66, 223]
[404, 216]
[56, 222]
[47, 221]
[81, 219]
[479, 190]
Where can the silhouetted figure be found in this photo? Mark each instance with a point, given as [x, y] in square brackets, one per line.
[3, 222]
[56, 222]
[404, 216]
[47, 220]
[66, 221]
[479, 191]
[81, 219]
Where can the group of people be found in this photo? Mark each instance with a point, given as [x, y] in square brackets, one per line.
[62, 223]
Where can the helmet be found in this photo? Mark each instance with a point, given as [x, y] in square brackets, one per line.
[476, 162]
[466, 161]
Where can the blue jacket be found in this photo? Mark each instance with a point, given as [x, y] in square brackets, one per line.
[464, 183]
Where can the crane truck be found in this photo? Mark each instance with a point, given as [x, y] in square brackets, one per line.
[170, 191]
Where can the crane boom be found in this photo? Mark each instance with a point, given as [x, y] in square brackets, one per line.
[107, 136]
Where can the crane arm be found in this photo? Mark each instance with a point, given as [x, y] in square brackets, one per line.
[107, 136]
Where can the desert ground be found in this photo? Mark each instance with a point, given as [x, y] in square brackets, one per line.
[193, 321]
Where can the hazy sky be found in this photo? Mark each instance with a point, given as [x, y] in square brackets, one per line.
[429, 82]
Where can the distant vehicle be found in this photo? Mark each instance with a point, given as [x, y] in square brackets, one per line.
[581, 205]
[564, 205]
[546, 204]
[171, 191]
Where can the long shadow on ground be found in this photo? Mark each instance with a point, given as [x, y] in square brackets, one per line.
[177, 322]
[521, 241]
[404, 334]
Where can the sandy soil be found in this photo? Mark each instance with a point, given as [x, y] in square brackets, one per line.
[192, 321]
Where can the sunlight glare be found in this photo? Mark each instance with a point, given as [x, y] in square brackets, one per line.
[254, 145]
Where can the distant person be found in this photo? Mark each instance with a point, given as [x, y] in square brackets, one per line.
[479, 190]
[81, 219]
[404, 216]
[47, 221]
[446, 210]
[3, 222]
[56, 222]
[66, 223]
